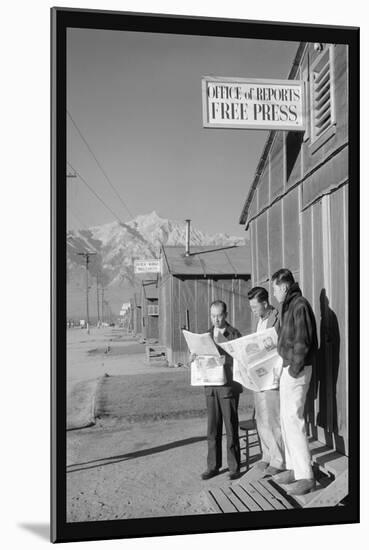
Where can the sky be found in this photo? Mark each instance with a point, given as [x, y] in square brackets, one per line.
[136, 99]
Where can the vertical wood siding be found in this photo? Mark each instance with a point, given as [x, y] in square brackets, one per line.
[330, 175]
[262, 248]
[291, 232]
[253, 252]
[306, 231]
[277, 160]
[275, 241]
[164, 312]
[318, 288]
[243, 316]
[307, 251]
[337, 314]
[202, 305]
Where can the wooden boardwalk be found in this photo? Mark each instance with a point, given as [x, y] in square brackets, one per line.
[255, 492]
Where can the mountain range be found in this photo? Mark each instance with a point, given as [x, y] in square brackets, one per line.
[115, 246]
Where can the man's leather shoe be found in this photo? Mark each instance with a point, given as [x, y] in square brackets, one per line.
[209, 474]
[272, 471]
[285, 477]
[301, 487]
[234, 475]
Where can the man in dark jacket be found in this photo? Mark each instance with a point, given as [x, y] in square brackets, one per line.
[222, 402]
[297, 345]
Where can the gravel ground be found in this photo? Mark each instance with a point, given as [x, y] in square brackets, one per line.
[123, 471]
[139, 459]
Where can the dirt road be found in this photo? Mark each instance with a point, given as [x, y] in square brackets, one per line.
[104, 350]
[127, 465]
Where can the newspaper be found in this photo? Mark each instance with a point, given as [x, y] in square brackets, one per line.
[241, 375]
[200, 344]
[207, 369]
[257, 365]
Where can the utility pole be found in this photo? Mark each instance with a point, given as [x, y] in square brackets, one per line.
[87, 255]
[98, 301]
[102, 304]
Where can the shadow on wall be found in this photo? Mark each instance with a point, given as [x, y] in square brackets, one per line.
[324, 385]
[293, 146]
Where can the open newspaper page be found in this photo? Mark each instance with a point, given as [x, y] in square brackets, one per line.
[200, 344]
[208, 367]
[258, 364]
[241, 375]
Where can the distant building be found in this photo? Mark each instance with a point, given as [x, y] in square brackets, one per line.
[150, 310]
[125, 315]
[189, 283]
[123, 310]
[144, 311]
[297, 212]
[135, 323]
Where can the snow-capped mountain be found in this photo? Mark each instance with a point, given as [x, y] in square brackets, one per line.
[116, 246]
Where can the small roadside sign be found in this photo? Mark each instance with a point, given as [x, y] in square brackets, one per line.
[147, 266]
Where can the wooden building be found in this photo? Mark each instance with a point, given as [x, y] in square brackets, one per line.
[296, 212]
[149, 310]
[189, 283]
[135, 323]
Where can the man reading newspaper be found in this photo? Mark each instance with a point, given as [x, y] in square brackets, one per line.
[267, 401]
[222, 401]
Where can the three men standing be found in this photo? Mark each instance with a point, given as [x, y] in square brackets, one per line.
[279, 413]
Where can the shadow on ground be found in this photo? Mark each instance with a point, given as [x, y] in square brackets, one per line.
[129, 456]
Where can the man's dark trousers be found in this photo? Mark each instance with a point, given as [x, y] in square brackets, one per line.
[222, 405]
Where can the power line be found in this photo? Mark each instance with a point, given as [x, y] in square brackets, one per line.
[99, 164]
[126, 225]
[94, 192]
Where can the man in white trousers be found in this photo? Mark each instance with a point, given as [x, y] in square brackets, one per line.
[297, 345]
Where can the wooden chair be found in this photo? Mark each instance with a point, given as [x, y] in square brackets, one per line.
[250, 429]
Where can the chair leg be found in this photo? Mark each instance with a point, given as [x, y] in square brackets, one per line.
[258, 439]
[247, 450]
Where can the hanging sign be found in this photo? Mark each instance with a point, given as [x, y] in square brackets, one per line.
[255, 104]
[147, 266]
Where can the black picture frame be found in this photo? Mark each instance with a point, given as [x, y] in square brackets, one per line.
[61, 20]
